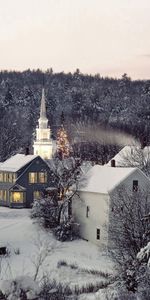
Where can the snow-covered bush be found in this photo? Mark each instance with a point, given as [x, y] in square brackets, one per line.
[46, 212]
[67, 231]
[22, 288]
[144, 255]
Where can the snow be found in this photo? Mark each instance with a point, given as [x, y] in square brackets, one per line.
[20, 234]
[102, 179]
[144, 254]
[131, 156]
[12, 289]
[16, 162]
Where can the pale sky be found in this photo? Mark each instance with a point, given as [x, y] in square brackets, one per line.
[109, 37]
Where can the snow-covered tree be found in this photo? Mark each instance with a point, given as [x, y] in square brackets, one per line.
[63, 145]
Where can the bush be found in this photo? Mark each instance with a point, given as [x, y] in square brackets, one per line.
[46, 212]
[67, 231]
[22, 288]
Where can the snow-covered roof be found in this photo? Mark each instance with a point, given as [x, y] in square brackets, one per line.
[103, 179]
[16, 162]
[132, 156]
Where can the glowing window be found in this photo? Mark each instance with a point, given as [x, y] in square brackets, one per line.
[10, 177]
[1, 177]
[14, 177]
[37, 195]
[17, 197]
[1, 195]
[5, 177]
[42, 177]
[4, 195]
[32, 177]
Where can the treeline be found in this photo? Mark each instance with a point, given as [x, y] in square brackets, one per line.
[121, 104]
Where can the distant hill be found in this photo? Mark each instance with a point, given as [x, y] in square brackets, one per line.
[113, 103]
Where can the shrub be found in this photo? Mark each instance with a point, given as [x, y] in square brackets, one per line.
[46, 212]
[67, 231]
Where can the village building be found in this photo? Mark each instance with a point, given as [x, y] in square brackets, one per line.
[23, 178]
[91, 207]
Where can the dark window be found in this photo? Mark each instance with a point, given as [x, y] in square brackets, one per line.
[87, 211]
[98, 234]
[135, 185]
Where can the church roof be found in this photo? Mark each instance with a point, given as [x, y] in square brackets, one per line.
[103, 179]
[16, 162]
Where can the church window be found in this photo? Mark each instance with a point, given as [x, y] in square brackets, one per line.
[98, 234]
[32, 177]
[135, 185]
[42, 177]
[87, 211]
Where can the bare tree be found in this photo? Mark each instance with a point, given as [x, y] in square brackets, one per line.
[135, 156]
[127, 227]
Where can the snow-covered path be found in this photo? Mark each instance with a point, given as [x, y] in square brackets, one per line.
[20, 234]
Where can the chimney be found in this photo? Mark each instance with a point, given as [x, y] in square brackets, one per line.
[27, 152]
[113, 163]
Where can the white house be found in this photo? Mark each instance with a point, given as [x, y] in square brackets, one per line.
[92, 208]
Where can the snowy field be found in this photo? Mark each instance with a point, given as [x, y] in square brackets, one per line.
[28, 244]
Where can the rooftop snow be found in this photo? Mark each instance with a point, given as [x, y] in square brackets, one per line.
[16, 162]
[102, 179]
[131, 156]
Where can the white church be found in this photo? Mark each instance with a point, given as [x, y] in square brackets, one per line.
[43, 146]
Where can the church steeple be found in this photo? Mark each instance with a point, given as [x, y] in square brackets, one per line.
[43, 145]
[43, 121]
[43, 105]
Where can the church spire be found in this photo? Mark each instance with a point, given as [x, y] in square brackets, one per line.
[43, 106]
[43, 145]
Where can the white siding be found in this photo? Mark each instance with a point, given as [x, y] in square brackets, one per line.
[98, 216]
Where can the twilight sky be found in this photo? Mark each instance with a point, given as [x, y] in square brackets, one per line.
[109, 37]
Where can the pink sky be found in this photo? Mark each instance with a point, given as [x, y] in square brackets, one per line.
[109, 37]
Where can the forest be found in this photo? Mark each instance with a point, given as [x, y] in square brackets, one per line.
[122, 105]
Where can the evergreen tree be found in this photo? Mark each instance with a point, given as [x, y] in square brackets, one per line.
[63, 146]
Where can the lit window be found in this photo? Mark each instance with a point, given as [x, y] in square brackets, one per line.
[32, 177]
[1, 177]
[10, 177]
[1, 195]
[17, 197]
[135, 185]
[87, 211]
[5, 177]
[98, 234]
[4, 195]
[42, 177]
[14, 177]
[37, 195]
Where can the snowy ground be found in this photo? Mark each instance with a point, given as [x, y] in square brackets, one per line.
[20, 234]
